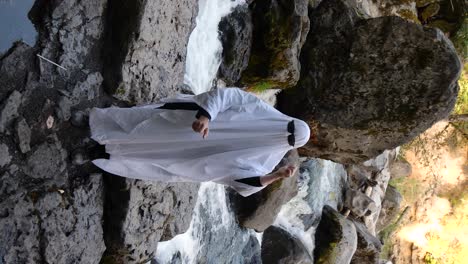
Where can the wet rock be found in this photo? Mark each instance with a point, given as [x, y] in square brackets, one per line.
[5, 157]
[278, 246]
[23, 133]
[399, 169]
[279, 31]
[390, 208]
[146, 55]
[368, 246]
[138, 214]
[252, 251]
[236, 38]
[9, 110]
[335, 238]
[259, 210]
[370, 84]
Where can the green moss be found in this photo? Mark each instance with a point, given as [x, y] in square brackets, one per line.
[408, 15]
[423, 3]
[443, 25]
[430, 11]
[120, 90]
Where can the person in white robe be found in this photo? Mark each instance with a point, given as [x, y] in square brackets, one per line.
[243, 139]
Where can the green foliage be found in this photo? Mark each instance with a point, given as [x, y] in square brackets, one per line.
[461, 107]
[410, 188]
[460, 40]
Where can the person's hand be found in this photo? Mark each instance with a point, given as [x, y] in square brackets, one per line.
[287, 171]
[201, 126]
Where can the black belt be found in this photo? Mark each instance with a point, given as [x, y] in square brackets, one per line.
[291, 138]
[186, 106]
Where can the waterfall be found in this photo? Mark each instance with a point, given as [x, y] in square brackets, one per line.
[204, 47]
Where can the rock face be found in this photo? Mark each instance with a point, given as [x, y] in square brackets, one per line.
[52, 209]
[279, 31]
[236, 38]
[335, 238]
[278, 246]
[147, 48]
[49, 206]
[138, 214]
[390, 208]
[369, 84]
[259, 210]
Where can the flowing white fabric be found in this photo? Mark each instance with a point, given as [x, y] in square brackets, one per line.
[247, 138]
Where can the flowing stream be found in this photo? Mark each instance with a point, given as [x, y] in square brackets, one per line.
[213, 235]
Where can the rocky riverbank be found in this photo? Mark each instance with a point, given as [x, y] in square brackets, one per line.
[363, 84]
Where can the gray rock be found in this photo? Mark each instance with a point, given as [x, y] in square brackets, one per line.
[280, 247]
[49, 226]
[370, 84]
[390, 208]
[147, 61]
[236, 38]
[377, 193]
[15, 68]
[279, 31]
[63, 110]
[259, 210]
[142, 213]
[368, 246]
[335, 238]
[358, 203]
[5, 156]
[399, 169]
[23, 133]
[9, 110]
[46, 162]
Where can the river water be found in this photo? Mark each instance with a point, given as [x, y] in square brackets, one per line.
[213, 235]
[14, 23]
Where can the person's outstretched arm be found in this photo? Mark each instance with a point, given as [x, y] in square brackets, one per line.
[283, 172]
[219, 100]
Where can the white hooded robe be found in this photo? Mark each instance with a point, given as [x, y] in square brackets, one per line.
[247, 138]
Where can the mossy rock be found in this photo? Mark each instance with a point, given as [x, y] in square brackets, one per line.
[335, 238]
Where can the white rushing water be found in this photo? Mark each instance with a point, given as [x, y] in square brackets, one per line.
[204, 48]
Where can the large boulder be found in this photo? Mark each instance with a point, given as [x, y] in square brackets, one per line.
[368, 246]
[236, 38]
[279, 31]
[335, 238]
[259, 210]
[138, 214]
[146, 48]
[280, 247]
[369, 84]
